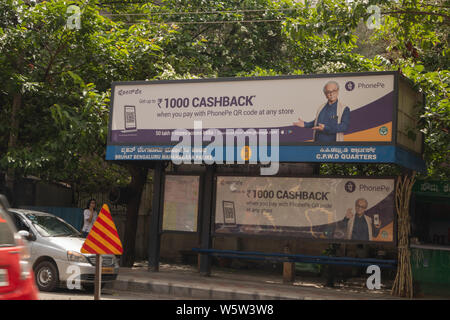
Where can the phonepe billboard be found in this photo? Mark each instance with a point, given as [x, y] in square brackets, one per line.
[357, 117]
[353, 209]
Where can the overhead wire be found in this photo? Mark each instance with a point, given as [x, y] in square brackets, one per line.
[159, 13]
[215, 12]
[156, 13]
[199, 12]
[211, 22]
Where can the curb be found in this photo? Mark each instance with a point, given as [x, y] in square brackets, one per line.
[194, 291]
[189, 284]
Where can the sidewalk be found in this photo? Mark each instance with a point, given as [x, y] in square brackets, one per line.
[229, 284]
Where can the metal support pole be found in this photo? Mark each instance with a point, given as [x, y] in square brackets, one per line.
[206, 213]
[155, 219]
[98, 277]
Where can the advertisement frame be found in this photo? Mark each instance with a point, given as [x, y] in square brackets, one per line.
[284, 237]
[395, 115]
[395, 75]
[200, 196]
[401, 78]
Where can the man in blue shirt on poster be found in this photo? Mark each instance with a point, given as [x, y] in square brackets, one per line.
[332, 118]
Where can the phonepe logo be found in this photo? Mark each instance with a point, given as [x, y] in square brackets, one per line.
[350, 85]
[375, 85]
[350, 186]
[234, 144]
[374, 188]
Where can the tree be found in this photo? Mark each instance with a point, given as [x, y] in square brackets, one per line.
[417, 35]
[40, 60]
[59, 77]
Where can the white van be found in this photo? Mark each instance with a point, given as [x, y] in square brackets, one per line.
[54, 247]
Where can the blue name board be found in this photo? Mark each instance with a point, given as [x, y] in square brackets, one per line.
[327, 154]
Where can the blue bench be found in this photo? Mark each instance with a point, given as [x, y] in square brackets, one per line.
[286, 257]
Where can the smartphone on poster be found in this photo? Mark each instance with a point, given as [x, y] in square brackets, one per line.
[376, 219]
[130, 118]
[229, 214]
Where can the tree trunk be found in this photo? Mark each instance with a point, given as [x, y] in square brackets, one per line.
[403, 284]
[138, 180]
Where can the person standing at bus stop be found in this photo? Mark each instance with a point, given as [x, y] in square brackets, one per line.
[332, 118]
[90, 215]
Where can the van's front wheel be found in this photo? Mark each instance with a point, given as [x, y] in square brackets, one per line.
[46, 276]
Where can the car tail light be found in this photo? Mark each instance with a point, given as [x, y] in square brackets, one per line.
[24, 258]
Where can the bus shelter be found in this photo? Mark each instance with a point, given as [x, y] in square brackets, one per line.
[243, 154]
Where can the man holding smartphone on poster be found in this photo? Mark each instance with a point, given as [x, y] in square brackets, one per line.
[360, 226]
[332, 118]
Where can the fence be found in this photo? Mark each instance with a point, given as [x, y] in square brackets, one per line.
[73, 216]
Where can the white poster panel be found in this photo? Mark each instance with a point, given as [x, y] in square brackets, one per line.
[352, 209]
[352, 107]
[181, 195]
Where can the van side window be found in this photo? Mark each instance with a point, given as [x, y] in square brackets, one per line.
[19, 223]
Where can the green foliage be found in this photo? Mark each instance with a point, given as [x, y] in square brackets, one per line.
[345, 169]
[417, 35]
[63, 75]
[435, 118]
[418, 30]
[62, 117]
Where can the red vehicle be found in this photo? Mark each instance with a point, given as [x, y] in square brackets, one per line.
[16, 276]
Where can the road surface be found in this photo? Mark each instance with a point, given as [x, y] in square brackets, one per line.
[107, 294]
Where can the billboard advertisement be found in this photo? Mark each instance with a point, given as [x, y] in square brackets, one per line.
[181, 194]
[337, 209]
[349, 117]
[323, 110]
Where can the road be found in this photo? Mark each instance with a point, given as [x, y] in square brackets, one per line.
[107, 294]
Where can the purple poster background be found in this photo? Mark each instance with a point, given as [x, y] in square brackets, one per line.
[369, 116]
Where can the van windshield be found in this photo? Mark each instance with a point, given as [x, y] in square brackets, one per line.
[51, 226]
[6, 231]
